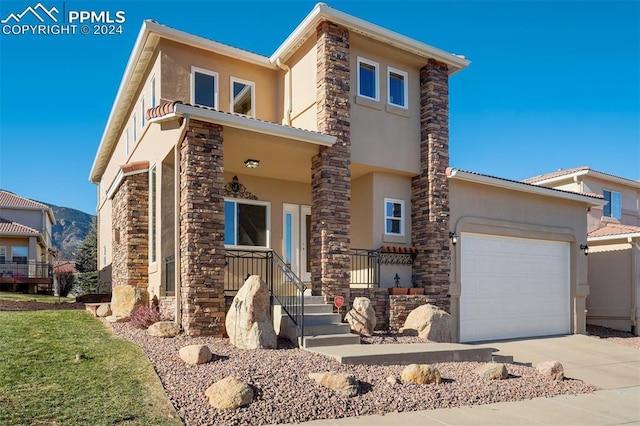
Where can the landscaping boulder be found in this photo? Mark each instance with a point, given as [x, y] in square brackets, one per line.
[125, 298]
[114, 319]
[104, 310]
[492, 371]
[196, 354]
[248, 321]
[362, 317]
[422, 374]
[430, 323]
[393, 380]
[229, 394]
[552, 369]
[163, 329]
[343, 384]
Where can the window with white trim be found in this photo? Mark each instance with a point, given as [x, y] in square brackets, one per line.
[153, 91]
[142, 112]
[3, 254]
[242, 97]
[152, 215]
[393, 217]
[135, 129]
[204, 87]
[246, 223]
[397, 90]
[368, 79]
[19, 254]
[104, 256]
[613, 208]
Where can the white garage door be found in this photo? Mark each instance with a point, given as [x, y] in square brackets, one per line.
[513, 287]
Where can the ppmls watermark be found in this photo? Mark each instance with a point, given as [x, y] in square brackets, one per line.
[42, 20]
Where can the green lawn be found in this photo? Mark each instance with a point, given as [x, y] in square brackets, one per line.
[41, 383]
[20, 297]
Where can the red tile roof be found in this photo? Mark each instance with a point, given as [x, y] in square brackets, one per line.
[65, 267]
[137, 165]
[11, 227]
[555, 174]
[398, 249]
[612, 229]
[9, 199]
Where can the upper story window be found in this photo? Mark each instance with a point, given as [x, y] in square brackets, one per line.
[242, 97]
[613, 208]
[246, 223]
[135, 129]
[153, 92]
[142, 112]
[397, 90]
[204, 87]
[394, 217]
[368, 79]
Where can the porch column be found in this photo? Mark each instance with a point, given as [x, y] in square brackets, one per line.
[130, 264]
[330, 168]
[430, 189]
[202, 260]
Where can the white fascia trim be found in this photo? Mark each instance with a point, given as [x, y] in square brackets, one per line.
[614, 237]
[247, 123]
[594, 173]
[523, 187]
[119, 178]
[323, 12]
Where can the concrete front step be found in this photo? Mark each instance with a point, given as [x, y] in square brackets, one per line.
[331, 340]
[322, 329]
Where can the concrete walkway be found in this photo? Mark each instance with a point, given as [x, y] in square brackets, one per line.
[610, 366]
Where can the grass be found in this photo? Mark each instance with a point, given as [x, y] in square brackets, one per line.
[20, 297]
[41, 383]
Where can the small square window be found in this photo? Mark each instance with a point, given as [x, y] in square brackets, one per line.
[613, 208]
[368, 81]
[242, 99]
[397, 86]
[204, 87]
[394, 217]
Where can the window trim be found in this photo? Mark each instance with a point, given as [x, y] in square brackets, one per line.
[19, 247]
[405, 76]
[153, 224]
[267, 204]
[402, 217]
[135, 129]
[610, 203]
[104, 255]
[216, 84]
[361, 60]
[142, 113]
[232, 80]
[153, 91]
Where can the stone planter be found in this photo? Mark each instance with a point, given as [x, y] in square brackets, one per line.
[416, 290]
[398, 291]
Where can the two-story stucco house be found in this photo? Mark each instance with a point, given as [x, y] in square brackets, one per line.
[26, 252]
[614, 244]
[323, 166]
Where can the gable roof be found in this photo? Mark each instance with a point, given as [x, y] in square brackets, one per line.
[614, 231]
[9, 227]
[592, 199]
[151, 32]
[13, 201]
[561, 175]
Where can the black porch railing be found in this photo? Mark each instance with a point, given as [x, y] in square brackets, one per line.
[29, 269]
[365, 267]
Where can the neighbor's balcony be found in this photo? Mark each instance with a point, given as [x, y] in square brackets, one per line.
[25, 270]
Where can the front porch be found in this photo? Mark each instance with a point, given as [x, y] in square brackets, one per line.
[27, 277]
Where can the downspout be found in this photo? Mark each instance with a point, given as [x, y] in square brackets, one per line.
[635, 249]
[176, 221]
[287, 115]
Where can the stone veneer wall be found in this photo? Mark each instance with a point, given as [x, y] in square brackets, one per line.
[202, 259]
[331, 175]
[130, 212]
[401, 306]
[430, 189]
[167, 307]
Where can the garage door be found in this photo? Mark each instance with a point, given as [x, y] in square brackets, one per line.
[513, 287]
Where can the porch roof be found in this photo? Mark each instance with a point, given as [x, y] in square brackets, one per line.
[613, 231]
[11, 228]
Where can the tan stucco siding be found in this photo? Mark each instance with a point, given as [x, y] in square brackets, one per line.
[629, 198]
[30, 218]
[394, 187]
[178, 59]
[382, 135]
[303, 66]
[362, 212]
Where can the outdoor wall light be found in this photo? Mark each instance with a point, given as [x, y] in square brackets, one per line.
[454, 238]
[584, 248]
[251, 164]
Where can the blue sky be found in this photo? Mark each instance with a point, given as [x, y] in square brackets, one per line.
[551, 84]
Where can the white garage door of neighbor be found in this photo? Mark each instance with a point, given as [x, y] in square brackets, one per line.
[513, 287]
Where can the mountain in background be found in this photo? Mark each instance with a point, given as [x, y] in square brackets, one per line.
[70, 229]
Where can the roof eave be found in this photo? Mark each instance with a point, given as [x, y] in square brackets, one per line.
[614, 237]
[323, 12]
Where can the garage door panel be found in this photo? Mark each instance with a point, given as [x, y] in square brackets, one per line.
[513, 287]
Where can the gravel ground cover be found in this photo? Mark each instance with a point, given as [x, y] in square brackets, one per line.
[285, 394]
[615, 336]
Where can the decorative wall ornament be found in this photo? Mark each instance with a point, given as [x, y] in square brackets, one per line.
[235, 189]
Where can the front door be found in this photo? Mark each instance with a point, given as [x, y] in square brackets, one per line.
[296, 226]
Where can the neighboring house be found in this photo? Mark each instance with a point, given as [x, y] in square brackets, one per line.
[614, 244]
[323, 166]
[66, 267]
[26, 252]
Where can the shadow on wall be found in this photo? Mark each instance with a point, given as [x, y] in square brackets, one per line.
[104, 280]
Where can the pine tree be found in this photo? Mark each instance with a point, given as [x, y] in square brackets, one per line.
[87, 261]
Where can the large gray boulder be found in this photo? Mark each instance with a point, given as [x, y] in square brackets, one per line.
[248, 322]
[362, 317]
[229, 394]
[430, 323]
[343, 384]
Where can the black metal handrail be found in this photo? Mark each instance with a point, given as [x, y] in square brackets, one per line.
[28, 269]
[365, 267]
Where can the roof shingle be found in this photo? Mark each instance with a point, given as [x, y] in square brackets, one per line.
[11, 227]
[9, 199]
[612, 229]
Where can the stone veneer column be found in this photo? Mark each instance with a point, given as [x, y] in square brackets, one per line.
[202, 259]
[130, 210]
[330, 168]
[430, 189]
